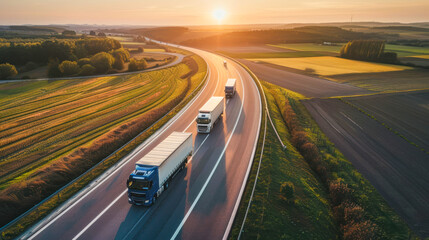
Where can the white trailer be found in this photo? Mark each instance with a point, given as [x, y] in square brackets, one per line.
[155, 170]
[230, 87]
[209, 114]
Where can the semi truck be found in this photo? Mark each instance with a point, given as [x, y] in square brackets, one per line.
[230, 87]
[155, 170]
[209, 114]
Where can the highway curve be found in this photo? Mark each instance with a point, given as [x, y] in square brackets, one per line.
[200, 201]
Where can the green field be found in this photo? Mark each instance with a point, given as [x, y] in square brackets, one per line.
[311, 214]
[327, 65]
[402, 51]
[274, 54]
[66, 126]
[310, 47]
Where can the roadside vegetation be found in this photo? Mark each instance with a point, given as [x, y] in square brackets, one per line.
[351, 206]
[77, 123]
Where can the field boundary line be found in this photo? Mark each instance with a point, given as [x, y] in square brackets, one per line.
[92, 184]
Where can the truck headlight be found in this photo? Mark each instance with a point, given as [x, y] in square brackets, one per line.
[147, 201]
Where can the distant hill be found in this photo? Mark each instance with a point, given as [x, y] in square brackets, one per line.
[307, 34]
[404, 28]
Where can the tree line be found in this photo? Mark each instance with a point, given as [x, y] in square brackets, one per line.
[41, 52]
[368, 50]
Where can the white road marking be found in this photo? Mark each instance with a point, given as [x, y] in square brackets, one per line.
[110, 205]
[351, 120]
[124, 163]
[212, 172]
[144, 215]
[99, 215]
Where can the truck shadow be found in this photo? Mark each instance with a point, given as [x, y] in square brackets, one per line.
[161, 220]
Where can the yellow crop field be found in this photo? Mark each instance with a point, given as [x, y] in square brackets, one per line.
[327, 65]
[154, 50]
[422, 56]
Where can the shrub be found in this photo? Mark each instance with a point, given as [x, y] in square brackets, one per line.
[287, 191]
[136, 65]
[121, 53]
[83, 61]
[365, 230]
[53, 70]
[102, 62]
[339, 192]
[140, 49]
[69, 33]
[7, 70]
[69, 68]
[87, 69]
[119, 63]
[299, 138]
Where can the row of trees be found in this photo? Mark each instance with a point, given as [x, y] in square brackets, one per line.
[44, 51]
[368, 50]
[100, 63]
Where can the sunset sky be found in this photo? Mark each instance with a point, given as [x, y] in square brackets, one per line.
[197, 12]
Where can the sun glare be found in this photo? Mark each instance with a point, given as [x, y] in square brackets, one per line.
[219, 15]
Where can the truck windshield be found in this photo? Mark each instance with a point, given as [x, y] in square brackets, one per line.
[229, 89]
[139, 184]
[203, 120]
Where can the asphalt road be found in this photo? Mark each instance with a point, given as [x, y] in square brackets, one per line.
[397, 169]
[201, 199]
[305, 85]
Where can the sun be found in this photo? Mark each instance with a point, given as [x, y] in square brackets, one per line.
[219, 14]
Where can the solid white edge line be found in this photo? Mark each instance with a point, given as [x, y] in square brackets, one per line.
[99, 215]
[130, 156]
[179, 228]
[110, 205]
[243, 186]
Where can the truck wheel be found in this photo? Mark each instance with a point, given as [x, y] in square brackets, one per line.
[166, 185]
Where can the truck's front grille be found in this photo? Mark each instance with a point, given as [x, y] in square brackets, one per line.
[202, 128]
[139, 195]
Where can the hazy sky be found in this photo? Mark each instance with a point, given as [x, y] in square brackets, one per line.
[197, 12]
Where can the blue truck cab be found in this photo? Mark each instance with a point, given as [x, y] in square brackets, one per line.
[142, 185]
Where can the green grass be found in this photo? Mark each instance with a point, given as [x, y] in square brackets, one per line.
[328, 65]
[402, 51]
[390, 224]
[271, 217]
[63, 116]
[405, 51]
[413, 79]
[274, 54]
[312, 47]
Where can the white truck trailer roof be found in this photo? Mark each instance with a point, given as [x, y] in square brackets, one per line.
[211, 104]
[230, 82]
[164, 149]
